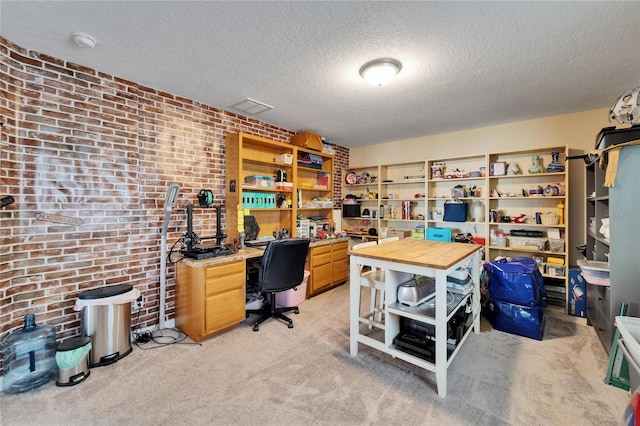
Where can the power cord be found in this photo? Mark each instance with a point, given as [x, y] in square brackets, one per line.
[161, 338]
[143, 337]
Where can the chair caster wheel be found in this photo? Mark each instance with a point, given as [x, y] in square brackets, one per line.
[290, 325]
[297, 311]
[256, 327]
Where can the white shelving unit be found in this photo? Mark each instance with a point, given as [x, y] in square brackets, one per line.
[410, 196]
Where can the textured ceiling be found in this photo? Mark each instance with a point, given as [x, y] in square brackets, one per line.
[465, 64]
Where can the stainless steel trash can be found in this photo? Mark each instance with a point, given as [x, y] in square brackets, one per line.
[73, 361]
[106, 318]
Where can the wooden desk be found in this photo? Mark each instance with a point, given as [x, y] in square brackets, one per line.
[402, 260]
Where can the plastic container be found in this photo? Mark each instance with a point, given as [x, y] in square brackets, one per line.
[295, 296]
[630, 331]
[28, 357]
[595, 272]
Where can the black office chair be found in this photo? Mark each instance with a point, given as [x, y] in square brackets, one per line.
[282, 269]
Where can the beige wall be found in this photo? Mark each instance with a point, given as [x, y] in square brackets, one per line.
[577, 130]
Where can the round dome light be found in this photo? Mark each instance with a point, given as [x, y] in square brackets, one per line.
[380, 71]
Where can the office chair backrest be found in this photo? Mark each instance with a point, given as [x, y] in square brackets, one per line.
[283, 264]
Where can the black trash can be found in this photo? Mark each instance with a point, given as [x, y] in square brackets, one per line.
[106, 319]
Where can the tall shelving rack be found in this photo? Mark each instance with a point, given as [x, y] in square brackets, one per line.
[618, 252]
[510, 195]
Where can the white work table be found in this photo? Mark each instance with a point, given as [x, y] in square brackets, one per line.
[401, 260]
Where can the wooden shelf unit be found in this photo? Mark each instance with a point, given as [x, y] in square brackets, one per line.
[249, 155]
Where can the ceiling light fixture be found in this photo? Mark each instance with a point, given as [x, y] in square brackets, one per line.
[84, 40]
[380, 71]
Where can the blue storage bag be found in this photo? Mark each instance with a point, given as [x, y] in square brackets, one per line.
[516, 281]
[527, 321]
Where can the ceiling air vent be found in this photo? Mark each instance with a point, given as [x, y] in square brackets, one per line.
[251, 106]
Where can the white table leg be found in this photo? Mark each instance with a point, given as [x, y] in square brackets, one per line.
[475, 276]
[354, 304]
[441, 332]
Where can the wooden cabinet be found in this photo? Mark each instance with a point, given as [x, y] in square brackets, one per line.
[619, 204]
[328, 264]
[209, 298]
[313, 184]
[252, 167]
[249, 157]
[340, 262]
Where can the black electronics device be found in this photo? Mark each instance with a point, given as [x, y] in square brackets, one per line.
[418, 338]
[611, 136]
[5, 201]
[351, 210]
[195, 250]
[526, 233]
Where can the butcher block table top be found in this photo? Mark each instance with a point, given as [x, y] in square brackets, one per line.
[432, 254]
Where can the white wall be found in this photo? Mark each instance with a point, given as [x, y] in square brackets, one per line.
[577, 130]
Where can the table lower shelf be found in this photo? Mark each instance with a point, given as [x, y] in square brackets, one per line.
[391, 349]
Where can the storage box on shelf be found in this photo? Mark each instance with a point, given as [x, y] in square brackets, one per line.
[528, 191]
[463, 179]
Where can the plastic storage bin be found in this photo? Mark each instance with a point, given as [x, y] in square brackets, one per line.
[630, 331]
[295, 296]
[106, 318]
[28, 357]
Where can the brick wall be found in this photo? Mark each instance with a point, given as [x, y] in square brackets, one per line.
[341, 162]
[88, 158]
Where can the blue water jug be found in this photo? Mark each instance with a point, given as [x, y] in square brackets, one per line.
[28, 357]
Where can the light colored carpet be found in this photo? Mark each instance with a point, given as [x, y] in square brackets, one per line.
[305, 376]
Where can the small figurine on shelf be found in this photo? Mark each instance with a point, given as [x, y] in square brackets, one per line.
[536, 167]
[560, 207]
[513, 169]
[437, 170]
[555, 166]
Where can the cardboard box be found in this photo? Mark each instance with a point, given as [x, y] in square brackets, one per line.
[400, 233]
[307, 140]
[577, 293]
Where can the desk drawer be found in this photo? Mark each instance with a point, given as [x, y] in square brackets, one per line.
[222, 278]
[320, 255]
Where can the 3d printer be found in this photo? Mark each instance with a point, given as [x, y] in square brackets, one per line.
[194, 248]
